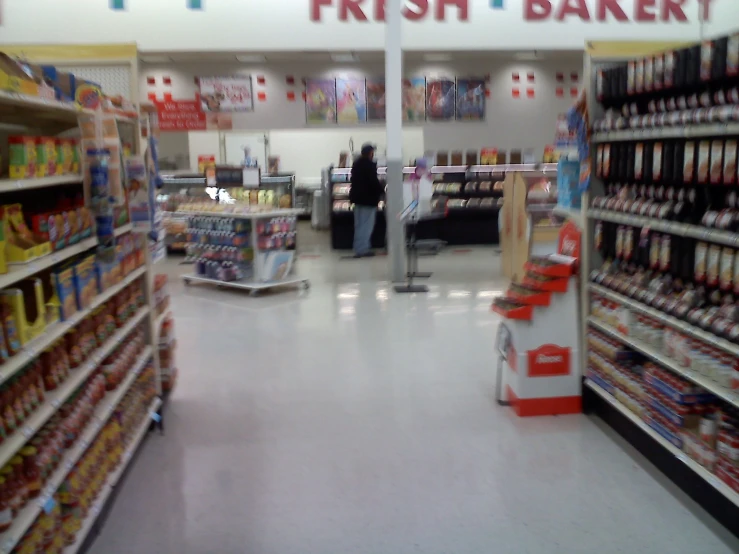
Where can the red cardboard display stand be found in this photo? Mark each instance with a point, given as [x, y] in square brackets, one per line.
[538, 341]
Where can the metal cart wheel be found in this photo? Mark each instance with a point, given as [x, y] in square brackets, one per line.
[187, 282]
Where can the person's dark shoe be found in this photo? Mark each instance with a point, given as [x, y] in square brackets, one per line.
[368, 255]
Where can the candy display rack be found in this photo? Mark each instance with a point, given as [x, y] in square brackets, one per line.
[117, 373]
[660, 276]
[249, 250]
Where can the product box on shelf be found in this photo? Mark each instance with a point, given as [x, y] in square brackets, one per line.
[63, 279]
[64, 83]
[14, 79]
[84, 281]
[46, 156]
[22, 155]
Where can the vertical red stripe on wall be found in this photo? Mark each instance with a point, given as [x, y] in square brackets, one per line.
[530, 92]
[560, 77]
[261, 80]
[573, 92]
[516, 93]
[152, 96]
[560, 92]
[151, 81]
[168, 96]
[261, 96]
[291, 96]
[167, 80]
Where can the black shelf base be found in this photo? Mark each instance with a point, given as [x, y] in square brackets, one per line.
[705, 495]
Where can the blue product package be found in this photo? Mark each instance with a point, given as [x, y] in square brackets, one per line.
[568, 190]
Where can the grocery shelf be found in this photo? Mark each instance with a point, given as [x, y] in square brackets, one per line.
[12, 185]
[16, 272]
[570, 214]
[104, 410]
[123, 229]
[702, 472]
[681, 131]
[666, 362]
[58, 330]
[25, 109]
[668, 320]
[109, 485]
[54, 399]
[133, 445]
[671, 227]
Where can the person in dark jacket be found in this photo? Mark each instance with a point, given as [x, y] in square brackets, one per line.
[365, 194]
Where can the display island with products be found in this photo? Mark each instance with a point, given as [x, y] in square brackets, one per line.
[663, 324]
[240, 246]
[79, 372]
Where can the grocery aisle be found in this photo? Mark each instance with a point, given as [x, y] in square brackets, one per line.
[353, 420]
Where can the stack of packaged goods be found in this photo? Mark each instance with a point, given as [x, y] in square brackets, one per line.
[161, 294]
[727, 447]
[167, 350]
[167, 341]
[617, 370]
[678, 410]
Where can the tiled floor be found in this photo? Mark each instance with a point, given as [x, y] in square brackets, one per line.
[348, 419]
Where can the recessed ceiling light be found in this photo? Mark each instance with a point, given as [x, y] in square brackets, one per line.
[344, 57]
[526, 56]
[251, 58]
[156, 59]
[437, 57]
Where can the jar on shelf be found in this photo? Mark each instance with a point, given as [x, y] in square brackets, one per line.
[17, 464]
[6, 512]
[31, 471]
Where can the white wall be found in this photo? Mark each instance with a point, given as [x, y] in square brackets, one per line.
[285, 25]
[510, 123]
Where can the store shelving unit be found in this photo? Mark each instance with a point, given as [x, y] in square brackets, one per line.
[258, 280]
[619, 306]
[474, 204]
[51, 117]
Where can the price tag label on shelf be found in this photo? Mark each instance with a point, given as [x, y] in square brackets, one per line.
[155, 417]
[8, 545]
[28, 432]
[69, 465]
[56, 403]
[49, 505]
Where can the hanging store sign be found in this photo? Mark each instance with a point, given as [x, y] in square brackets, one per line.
[226, 94]
[187, 115]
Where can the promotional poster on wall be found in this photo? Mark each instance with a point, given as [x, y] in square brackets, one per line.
[226, 94]
[471, 99]
[376, 99]
[320, 100]
[351, 101]
[440, 99]
[414, 99]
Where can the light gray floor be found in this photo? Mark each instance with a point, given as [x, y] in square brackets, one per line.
[352, 420]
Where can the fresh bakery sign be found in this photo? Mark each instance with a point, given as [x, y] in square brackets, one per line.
[620, 11]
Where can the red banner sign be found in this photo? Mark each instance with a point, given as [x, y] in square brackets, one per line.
[180, 115]
[188, 115]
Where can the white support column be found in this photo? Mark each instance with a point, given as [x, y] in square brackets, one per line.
[394, 127]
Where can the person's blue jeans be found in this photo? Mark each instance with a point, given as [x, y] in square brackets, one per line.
[364, 224]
